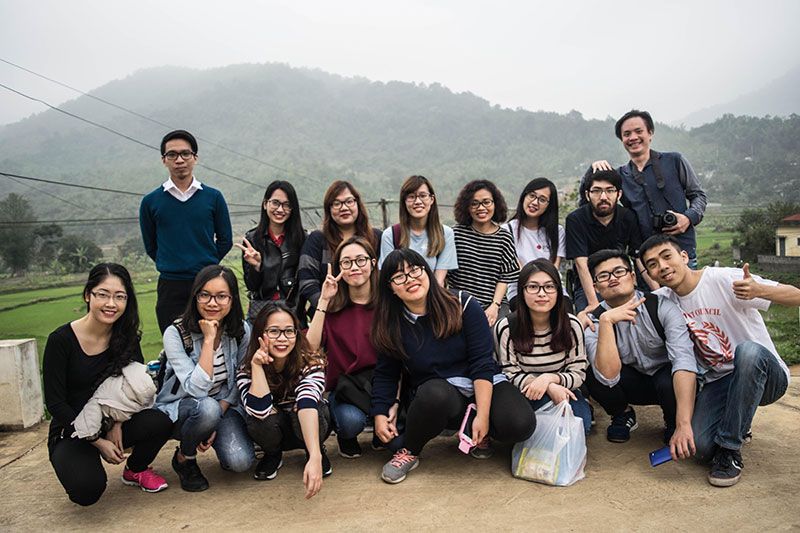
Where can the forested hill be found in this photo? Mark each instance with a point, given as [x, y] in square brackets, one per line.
[317, 127]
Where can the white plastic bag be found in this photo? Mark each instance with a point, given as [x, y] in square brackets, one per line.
[556, 452]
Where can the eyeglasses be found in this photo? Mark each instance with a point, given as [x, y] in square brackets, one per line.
[486, 202]
[275, 333]
[360, 261]
[535, 288]
[337, 204]
[543, 200]
[617, 273]
[597, 191]
[423, 197]
[103, 296]
[221, 298]
[402, 277]
[185, 154]
[276, 204]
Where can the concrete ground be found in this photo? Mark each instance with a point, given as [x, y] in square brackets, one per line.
[449, 491]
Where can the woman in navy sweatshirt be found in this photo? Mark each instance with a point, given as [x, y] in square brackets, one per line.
[443, 343]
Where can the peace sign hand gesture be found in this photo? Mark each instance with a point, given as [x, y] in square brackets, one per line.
[250, 254]
[262, 357]
[331, 284]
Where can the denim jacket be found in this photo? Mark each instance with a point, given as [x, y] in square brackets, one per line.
[194, 381]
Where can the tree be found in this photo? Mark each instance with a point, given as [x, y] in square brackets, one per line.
[46, 239]
[756, 228]
[78, 254]
[16, 237]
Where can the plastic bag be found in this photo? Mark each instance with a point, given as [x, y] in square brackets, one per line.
[556, 452]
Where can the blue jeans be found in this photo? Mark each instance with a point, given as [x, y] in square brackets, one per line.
[348, 419]
[580, 300]
[198, 418]
[725, 408]
[580, 408]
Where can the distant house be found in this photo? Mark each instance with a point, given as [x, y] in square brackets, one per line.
[787, 237]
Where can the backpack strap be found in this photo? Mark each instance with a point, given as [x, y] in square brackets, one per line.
[599, 310]
[651, 304]
[396, 236]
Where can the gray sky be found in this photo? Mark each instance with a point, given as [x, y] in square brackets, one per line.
[601, 58]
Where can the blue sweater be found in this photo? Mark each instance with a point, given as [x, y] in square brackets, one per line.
[468, 353]
[184, 237]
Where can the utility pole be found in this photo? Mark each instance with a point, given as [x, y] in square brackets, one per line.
[384, 213]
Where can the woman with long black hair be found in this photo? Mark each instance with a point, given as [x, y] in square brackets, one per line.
[271, 250]
[537, 233]
[78, 357]
[443, 342]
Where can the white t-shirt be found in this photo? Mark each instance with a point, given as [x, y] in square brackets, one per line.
[719, 322]
[533, 244]
[446, 260]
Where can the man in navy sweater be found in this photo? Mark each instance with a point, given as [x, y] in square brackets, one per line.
[185, 226]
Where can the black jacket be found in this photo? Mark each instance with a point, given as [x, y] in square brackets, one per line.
[278, 270]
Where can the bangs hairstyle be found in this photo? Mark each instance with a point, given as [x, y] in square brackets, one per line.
[233, 323]
[462, 212]
[125, 333]
[331, 230]
[562, 337]
[293, 227]
[433, 226]
[342, 298]
[644, 115]
[657, 239]
[547, 220]
[299, 358]
[442, 307]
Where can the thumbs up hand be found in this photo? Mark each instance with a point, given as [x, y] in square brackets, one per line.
[747, 288]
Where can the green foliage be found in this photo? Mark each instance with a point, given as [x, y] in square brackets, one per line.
[77, 253]
[756, 228]
[16, 242]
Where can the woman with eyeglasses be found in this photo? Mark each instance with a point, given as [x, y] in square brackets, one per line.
[281, 383]
[442, 342]
[487, 262]
[341, 326]
[420, 229]
[540, 346]
[78, 357]
[271, 250]
[345, 217]
[204, 348]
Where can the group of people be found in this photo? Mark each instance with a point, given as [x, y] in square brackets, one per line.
[406, 329]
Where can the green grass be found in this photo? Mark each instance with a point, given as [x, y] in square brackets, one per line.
[784, 328]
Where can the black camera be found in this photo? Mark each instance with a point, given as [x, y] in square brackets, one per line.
[664, 220]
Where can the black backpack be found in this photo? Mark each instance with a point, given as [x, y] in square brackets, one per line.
[651, 304]
[188, 345]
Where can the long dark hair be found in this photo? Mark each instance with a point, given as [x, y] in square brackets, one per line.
[548, 220]
[280, 383]
[331, 230]
[342, 298]
[561, 331]
[293, 226]
[125, 332]
[442, 307]
[233, 323]
[433, 226]
[462, 212]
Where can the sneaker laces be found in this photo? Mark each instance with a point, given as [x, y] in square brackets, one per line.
[725, 457]
[149, 477]
[402, 457]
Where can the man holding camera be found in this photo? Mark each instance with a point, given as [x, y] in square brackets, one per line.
[658, 185]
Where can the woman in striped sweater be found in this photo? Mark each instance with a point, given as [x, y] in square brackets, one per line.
[487, 259]
[540, 346]
[281, 383]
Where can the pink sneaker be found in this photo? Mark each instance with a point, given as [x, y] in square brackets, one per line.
[148, 480]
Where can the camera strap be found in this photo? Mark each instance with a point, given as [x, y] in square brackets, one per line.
[638, 177]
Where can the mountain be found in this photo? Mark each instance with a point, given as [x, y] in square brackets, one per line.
[779, 98]
[312, 127]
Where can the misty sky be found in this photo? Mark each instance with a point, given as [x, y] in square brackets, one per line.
[601, 58]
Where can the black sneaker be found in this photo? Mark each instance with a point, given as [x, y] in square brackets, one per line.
[621, 426]
[726, 468]
[267, 467]
[327, 469]
[377, 444]
[349, 448]
[192, 479]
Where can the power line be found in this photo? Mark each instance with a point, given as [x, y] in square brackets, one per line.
[154, 121]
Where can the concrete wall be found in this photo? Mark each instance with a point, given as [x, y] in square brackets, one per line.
[792, 235]
[21, 403]
[774, 263]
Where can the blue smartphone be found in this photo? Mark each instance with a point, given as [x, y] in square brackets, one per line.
[660, 456]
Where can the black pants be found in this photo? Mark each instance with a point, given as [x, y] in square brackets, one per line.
[281, 431]
[636, 388]
[78, 463]
[437, 405]
[173, 295]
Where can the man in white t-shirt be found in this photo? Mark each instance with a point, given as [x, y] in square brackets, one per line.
[731, 340]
